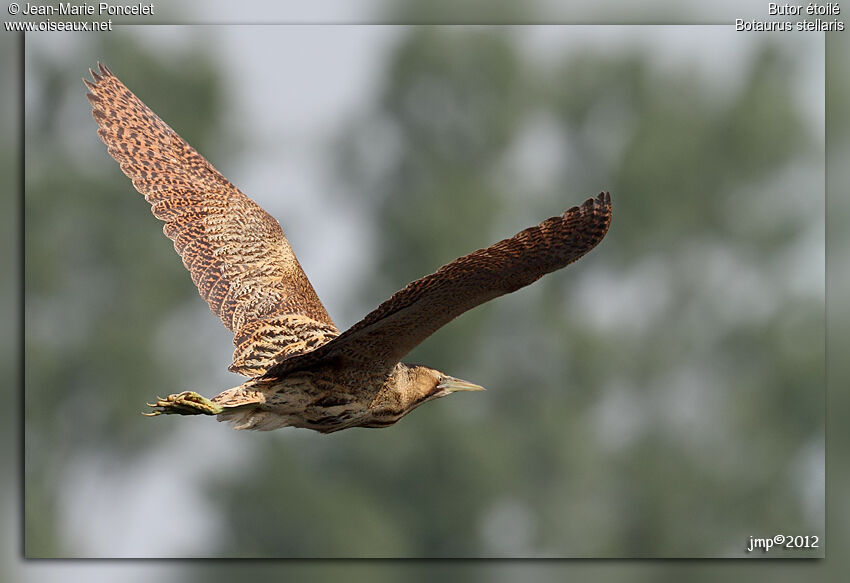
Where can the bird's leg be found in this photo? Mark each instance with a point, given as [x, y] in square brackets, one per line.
[185, 403]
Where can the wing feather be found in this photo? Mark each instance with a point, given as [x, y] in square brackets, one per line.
[393, 329]
[236, 252]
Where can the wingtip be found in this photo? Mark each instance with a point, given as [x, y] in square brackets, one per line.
[102, 71]
[602, 199]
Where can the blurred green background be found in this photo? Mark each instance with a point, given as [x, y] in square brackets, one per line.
[664, 397]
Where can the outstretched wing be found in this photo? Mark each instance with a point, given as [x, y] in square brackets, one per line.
[412, 314]
[235, 251]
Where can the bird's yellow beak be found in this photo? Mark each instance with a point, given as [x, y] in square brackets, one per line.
[451, 385]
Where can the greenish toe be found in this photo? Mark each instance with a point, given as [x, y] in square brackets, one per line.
[185, 403]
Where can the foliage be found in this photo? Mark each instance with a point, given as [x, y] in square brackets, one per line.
[662, 397]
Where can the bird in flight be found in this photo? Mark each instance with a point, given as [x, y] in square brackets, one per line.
[302, 371]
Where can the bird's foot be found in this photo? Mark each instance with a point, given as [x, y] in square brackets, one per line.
[185, 403]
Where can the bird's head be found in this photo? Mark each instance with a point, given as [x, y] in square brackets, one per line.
[409, 386]
[428, 383]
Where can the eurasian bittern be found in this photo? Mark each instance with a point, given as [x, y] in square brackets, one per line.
[303, 372]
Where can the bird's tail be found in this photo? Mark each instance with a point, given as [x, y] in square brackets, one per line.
[252, 417]
[243, 407]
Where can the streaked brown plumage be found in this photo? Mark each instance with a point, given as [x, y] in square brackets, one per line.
[304, 373]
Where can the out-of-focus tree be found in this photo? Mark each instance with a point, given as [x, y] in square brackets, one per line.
[663, 397]
[97, 268]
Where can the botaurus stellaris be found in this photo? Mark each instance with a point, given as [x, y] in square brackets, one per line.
[303, 372]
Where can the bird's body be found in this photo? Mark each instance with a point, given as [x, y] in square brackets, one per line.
[303, 371]
[323, 399]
